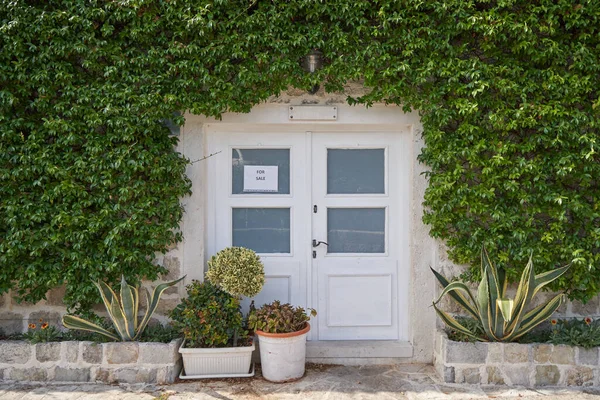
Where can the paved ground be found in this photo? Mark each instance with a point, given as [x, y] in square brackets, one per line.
[321, 382]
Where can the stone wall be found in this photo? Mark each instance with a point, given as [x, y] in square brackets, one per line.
[15, 316]
[515, 364]
[131, 362]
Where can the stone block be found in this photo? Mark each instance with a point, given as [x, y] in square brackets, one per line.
[546, 375]
[580, 376]
[91, 352]
[166, 305]
[542, 353]
[588, 356]
[157, 353]
[173, 290]
[28, 374]
[471, 376]
[55, 296]
[561, 311]
[122, 353]
[495, 353]
[71, 374]
[590, 309]
[99, 375]
[11, 323]
[516, 353]
[2, 301]
[71, 351]
[563, 354]
[14, 352]
[442, 339]
[161, 375]
[133, 375]
[495, 376]
[450, 306]
[517, 375]
[166, 375]
[448, 374]
[173, 265]
[466, 353]
[45, 352]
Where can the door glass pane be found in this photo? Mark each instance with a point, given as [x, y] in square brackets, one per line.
[279, 158]
[355, 171]
[356, 230]
[264, 230]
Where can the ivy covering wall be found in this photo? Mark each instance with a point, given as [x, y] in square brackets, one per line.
[90, 184]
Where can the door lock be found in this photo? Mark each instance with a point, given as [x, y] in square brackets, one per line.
[315, 243]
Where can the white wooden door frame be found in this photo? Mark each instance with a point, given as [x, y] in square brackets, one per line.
[388, 269]
[320, 349]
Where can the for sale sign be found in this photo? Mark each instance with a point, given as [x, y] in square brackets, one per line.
[261, 178]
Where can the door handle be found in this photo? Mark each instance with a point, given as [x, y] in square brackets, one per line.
[315, 243]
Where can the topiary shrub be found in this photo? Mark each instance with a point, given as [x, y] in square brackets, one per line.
[209, 317]
[238, 271]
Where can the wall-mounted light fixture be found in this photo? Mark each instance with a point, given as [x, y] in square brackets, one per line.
[312, 62]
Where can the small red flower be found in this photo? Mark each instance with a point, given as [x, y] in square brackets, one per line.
[588, 320]
[31, 326]
[553, 321]
[45, 325]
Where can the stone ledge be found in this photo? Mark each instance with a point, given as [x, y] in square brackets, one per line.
[127, 362]
[515, 364]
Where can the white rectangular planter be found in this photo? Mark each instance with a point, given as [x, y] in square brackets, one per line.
[216, 361]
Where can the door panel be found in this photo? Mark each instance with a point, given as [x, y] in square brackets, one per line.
[282, 282]
[355, 186]
[269, 222]
[357, 300]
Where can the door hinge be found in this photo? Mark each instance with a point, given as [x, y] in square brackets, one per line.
[315, 208]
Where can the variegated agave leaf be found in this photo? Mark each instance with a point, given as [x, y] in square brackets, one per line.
[466, 302]
[73, 322]
[123, 311]
[452, 323]
[152, 303]
[494, 292]
[502, 319]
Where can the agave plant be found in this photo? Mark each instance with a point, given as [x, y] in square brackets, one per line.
[122, 311]
[502, 319]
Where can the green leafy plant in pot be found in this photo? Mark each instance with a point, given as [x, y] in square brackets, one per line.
[282, 330]
[210, 317]
[501, 319]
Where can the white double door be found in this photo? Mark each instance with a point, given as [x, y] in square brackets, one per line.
[328, 214]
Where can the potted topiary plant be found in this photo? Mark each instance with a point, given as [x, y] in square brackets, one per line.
[282, 330]
[210, 318]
